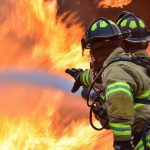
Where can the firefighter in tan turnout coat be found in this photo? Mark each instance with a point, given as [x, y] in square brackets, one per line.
[126, 83]
[137, 44]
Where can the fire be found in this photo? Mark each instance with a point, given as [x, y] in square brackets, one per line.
[33, 37]
[114, 3]
[148, 49]
[36, 121]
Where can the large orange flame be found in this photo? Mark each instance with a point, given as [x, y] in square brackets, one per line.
[36, 118]
[39, 119]
[31, 37]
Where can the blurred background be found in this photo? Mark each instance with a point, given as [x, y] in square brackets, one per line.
[88, 10]
[38, 41]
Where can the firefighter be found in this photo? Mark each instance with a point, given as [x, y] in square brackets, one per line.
[138, 40]
[123, 80]
[136, 44]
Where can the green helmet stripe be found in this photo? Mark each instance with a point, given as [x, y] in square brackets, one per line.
[132, 24]
[103, 24]
[94, 26]
[124, 23]
[142, 25]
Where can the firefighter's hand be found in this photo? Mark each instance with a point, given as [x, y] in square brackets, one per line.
[75, 73]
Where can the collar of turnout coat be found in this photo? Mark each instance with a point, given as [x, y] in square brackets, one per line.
[118, 52]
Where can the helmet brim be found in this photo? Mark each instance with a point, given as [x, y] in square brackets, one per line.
[138, 40]
[100, 39]
[122, 36]
[103, 38]
[148, 39]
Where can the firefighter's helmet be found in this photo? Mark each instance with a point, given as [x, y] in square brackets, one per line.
[139, 31]
[102, 30]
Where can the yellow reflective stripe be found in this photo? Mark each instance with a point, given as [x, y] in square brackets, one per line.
[144, 95]
[139, 146]
[119, 125]
[138, 105]
[118, 90]
[148, 141]
[121, 133]
[118, 87]
[147, 137]
[85, 78]
[118, 83]
[120, 129]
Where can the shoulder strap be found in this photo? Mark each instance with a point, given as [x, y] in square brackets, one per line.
[141, 61]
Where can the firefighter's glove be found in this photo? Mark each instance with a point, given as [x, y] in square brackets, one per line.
[75, 73]
[123, 145]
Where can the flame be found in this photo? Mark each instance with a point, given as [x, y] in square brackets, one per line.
[114, 3]
[36, 121]
[33, 37]
[148, 49]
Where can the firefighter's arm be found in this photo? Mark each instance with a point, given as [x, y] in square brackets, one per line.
[119, 87]
[86, 78]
